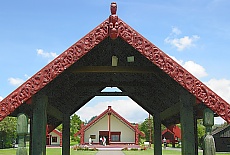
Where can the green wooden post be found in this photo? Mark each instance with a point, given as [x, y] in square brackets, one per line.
[22, 131]
[66, 135]
[30, 143]
[39, 124]
[196, 134]
[187, 101]
[157, 134]
[209, 143]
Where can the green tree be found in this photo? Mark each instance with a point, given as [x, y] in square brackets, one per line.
[147, 127]
[200, 132]
[92, 118]
[75, 126]
[8, 131]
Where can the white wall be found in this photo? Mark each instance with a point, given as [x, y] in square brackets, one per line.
[101, 125]
[127, 134]
[58, 138]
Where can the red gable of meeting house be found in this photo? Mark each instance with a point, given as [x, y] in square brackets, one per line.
[113, 127]
[114, 55]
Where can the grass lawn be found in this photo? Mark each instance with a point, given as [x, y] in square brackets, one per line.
[57, 151]
[165, 152]
[49, 151]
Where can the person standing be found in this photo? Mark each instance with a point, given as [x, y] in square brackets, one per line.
[90, 141]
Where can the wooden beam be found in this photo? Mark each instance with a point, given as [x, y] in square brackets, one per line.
[157, 134]
[53, 111]
[187, 101]
[112, 94]
[171, 111]
[110, 69]
[40, 103]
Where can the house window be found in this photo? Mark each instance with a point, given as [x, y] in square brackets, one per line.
[115, 136]
[54, 139]
[93, 136]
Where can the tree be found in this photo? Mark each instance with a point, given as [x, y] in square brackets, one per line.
[200, 132]
[8, 131]
[147, 127]
[75, 126]
[92, 118]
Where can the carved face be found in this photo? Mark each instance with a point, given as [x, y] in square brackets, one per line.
[113, 8]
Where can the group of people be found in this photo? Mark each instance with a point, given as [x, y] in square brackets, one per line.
[103, 140]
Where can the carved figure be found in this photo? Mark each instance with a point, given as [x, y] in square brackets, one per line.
[22, 131]
[209, 143]
[113, 21]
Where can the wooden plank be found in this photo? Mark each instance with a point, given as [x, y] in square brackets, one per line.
[53, 111]
[113, 69]
[171, 111]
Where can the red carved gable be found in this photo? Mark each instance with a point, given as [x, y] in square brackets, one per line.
[23, 93]
[175, 71]
[105, 113]
[53, 69]
[115, 114]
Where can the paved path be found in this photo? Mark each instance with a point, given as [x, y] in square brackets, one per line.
[110, 153]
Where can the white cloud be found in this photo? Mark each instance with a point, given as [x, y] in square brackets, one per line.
[15, 81]
[222, 88]
[49, 55]
[1, 98]
[128, 109]
[175, 31]
[26, 76]
[180, 43]
[194, 68]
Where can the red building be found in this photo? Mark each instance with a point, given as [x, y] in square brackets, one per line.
[54, 138]
[172, 134]
[113, 127]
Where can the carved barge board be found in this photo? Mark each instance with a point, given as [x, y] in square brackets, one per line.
[114, 27]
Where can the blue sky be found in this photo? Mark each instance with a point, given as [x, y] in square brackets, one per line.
[195, 33]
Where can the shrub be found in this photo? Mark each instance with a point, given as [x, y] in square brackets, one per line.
[125, 149]
[143, 148]
[134, 149]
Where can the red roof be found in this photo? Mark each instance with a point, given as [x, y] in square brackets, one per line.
[173, 129]
[59, 133]
[115, 114]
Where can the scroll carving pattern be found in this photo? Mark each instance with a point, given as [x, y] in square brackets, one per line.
[53, 69]
[174, 70]
[149, 50]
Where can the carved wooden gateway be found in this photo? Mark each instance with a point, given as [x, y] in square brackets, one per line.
[143, 72]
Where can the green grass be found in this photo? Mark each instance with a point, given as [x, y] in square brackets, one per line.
[164, 152]
[8, 151]
[49, 151]
[57, 151]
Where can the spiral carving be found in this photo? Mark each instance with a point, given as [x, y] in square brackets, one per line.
[175, 71]
[146, 48]
[54, 68]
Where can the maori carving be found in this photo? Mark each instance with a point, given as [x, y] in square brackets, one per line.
[53, 69]
[114, 27]
[113, 24]
[174, 70]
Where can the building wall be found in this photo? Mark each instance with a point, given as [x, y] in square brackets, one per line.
[127, 134]
[101, 125]
[58, 138]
